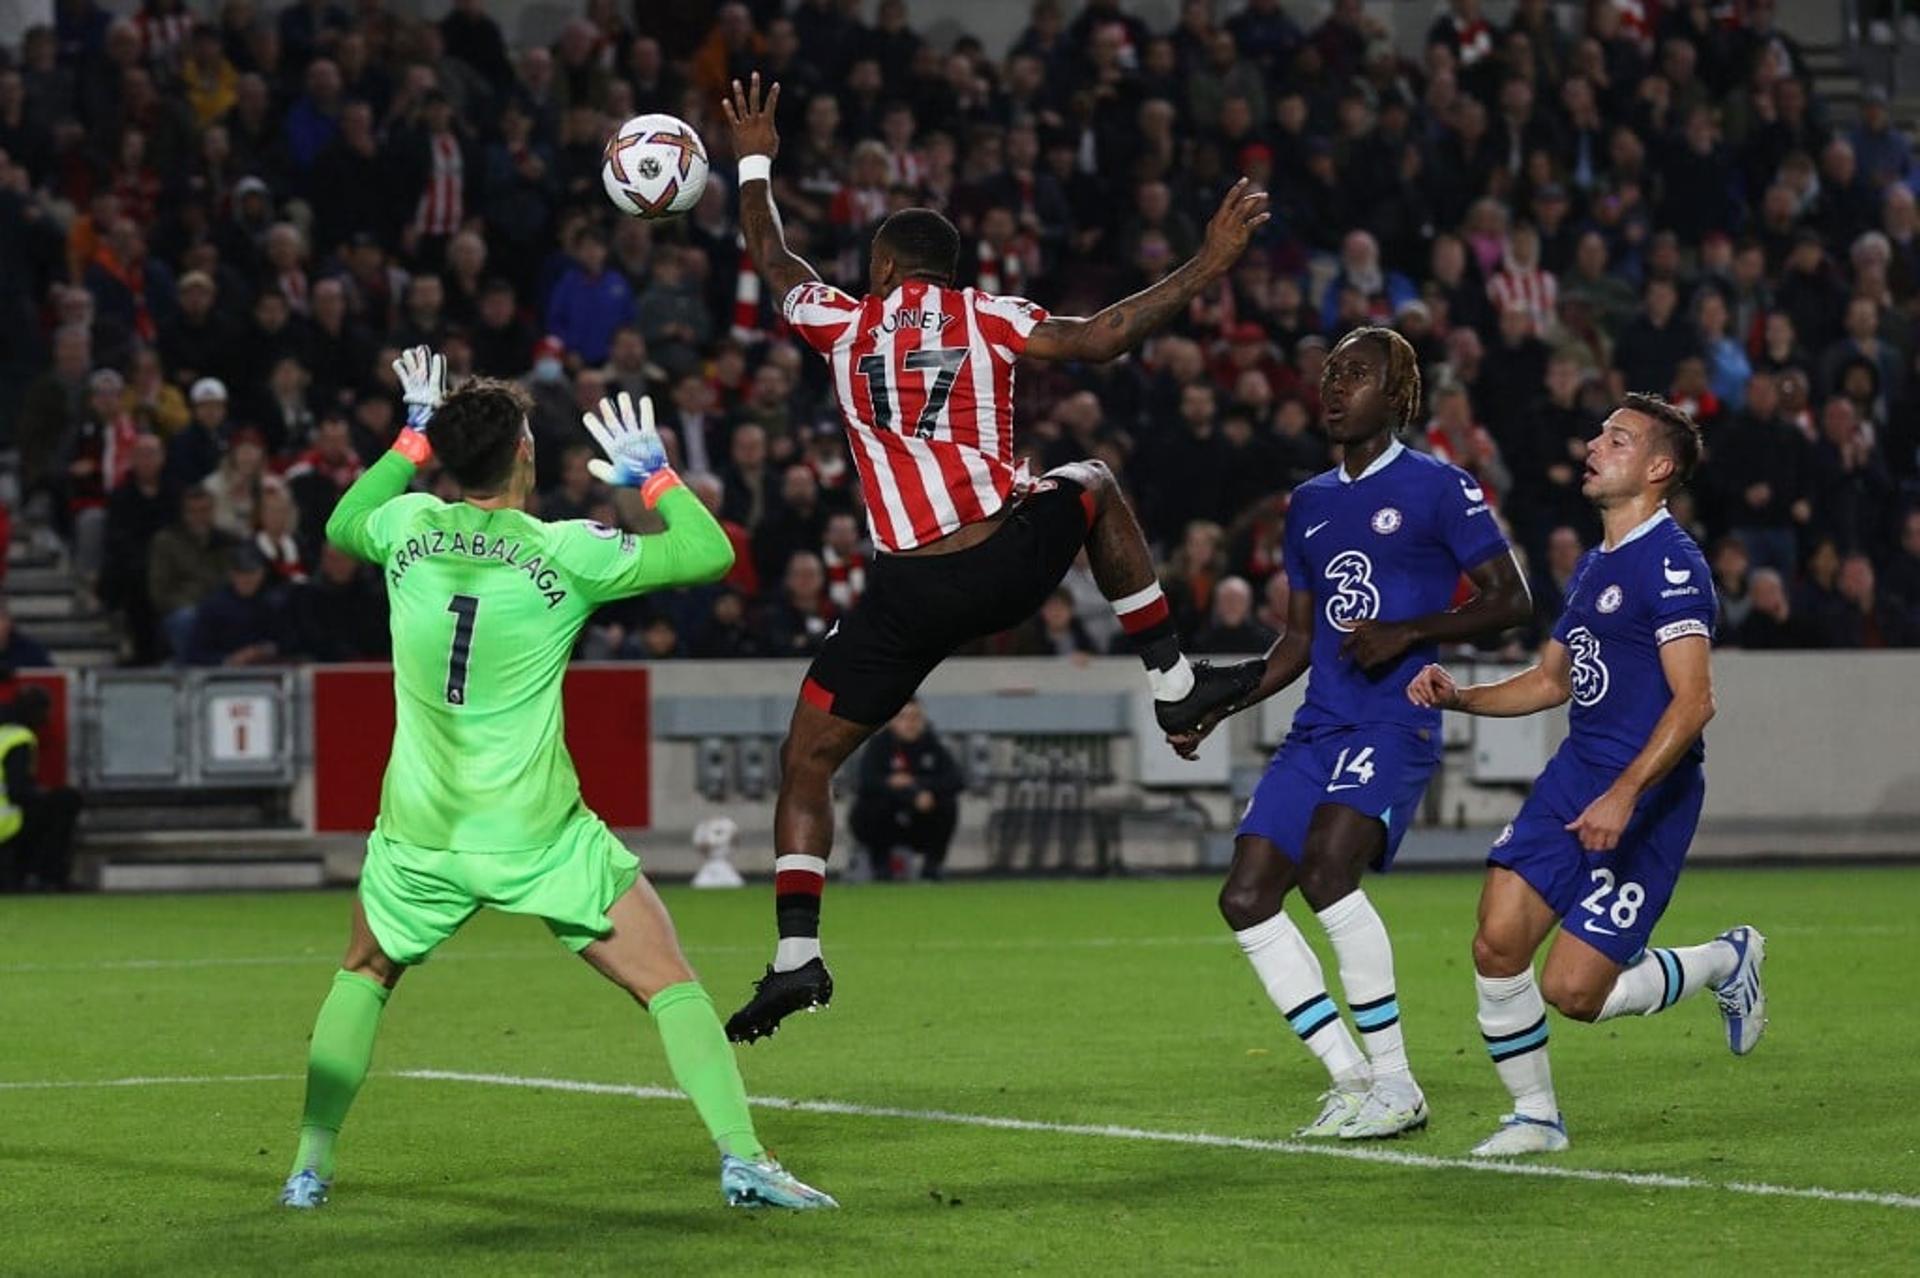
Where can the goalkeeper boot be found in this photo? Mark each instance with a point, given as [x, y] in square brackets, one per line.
[1214, 688]
[778, 995]
[765, 1183]
[304, 1190]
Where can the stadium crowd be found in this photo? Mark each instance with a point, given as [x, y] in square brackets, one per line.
[218, 228]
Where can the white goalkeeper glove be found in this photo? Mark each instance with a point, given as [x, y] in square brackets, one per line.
[423, 383]
[634, 451]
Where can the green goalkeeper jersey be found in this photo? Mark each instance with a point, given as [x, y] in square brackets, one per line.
[486, 605]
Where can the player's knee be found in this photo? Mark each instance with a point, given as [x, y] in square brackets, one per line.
[1325, 878]
[1492, 957]
[1574, 1000]
[1243, 904]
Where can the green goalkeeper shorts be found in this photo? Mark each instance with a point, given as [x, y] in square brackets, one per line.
[416, 898]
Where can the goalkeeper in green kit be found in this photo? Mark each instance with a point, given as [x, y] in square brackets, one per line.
[481, 806]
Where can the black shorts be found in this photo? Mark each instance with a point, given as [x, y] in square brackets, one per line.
[919, 608]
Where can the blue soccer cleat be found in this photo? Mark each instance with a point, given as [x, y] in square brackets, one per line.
[765, 1183]
[1743, 1002]
[304, 1190]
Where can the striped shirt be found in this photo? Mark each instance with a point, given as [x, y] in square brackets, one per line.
[924, 378]
[442, 204]
[1529, 289]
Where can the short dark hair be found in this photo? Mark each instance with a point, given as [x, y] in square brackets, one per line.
[476, 431]
[1675, 430]
[922, 242]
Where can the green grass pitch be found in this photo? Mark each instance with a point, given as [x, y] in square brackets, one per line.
[1083, 1005]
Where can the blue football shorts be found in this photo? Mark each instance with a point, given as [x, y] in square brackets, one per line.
[1377, 770]
[1610, 900]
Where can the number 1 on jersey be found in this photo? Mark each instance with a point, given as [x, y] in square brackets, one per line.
[944, 361]
[465, 608]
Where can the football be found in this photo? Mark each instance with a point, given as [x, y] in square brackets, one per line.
[655, 166]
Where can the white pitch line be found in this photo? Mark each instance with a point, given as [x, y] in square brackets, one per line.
[1102, 1131]
[985, 945]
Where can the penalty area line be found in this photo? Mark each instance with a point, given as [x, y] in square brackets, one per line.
[1099, 1131]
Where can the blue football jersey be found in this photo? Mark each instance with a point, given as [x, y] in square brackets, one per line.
[1622, 606]
[1388, 546]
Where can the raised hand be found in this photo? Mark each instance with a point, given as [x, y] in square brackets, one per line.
[750, 115]
[423, 383]
[1239, 213]
[633, 448]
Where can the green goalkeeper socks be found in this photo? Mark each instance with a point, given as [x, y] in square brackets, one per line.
[702, 1063]
[337, 1064]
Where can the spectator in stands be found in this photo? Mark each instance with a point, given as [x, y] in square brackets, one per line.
[1851, 490]
[195, 450]
[1233, 627]
[800, 618]
[52, 407]
[235, 484]
[1551, 580]
[797, 524]
[139, 508]
[93, 460]
[1773, 622]
[36, 822]
[1653, 345]
[154, 403]
[727, 632]
[578, 492]
[277, 539]
[590, 302]
[749, 477]
[19, 651]
[1191, 574]
[186, 564]
[908, 799]
[1867, 619]
[1763, 465]
[340, 614]
[1903, 573]
[1732, 585]
[242, 623]
[318, 477]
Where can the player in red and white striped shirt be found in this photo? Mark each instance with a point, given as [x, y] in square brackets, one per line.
[967, 543]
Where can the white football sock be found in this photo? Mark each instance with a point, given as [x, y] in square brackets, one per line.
[795, 951]
[1663, 977]
[1513, 1020]
[1291, 974]
[1366, 975]
[1173, 683]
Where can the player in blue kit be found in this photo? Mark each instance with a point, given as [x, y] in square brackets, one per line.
[1598, 846]
[1374, 553]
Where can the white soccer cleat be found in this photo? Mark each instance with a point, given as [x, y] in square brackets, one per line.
[1338, 1107]
[1742, 999]
[1520, 1134]
[1391, 1106]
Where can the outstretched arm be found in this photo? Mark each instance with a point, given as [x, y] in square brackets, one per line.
[1122, 326]
[1538, 687]
[423, 380]
[755, 143]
